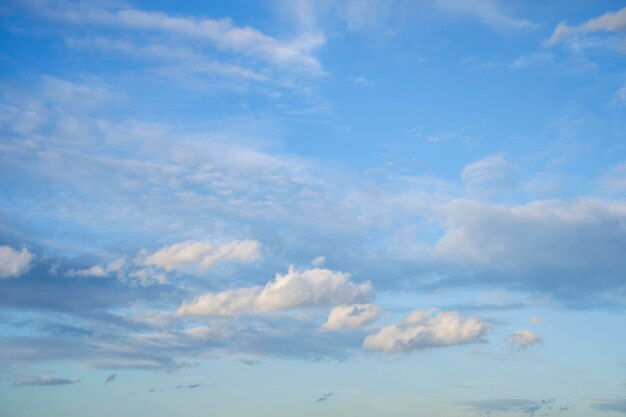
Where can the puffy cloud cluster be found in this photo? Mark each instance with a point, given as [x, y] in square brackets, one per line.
[342, 317]
[14, 263]
[295, 289]
[428, 329]
[202, 255]
[523, 339]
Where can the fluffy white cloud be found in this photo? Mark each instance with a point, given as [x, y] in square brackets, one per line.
[427, 329]
[202, 255]
[608, 22]
[295, 289]
[357, 315]
[14, 263]
[523, 339]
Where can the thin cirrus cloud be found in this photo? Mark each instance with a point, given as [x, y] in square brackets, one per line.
[295, 289]
[221, 34]
[610, 22]
[428, 329]
[46, 381]
[14, 263]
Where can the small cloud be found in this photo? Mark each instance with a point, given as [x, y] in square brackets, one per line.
[190, 386]
[523, 339]
[45, 381]
[111, 378]
[14, 263]
[362, 81]
[535, 320]
[428, 329]
[616, 405]
[319, 261]
[324, 397]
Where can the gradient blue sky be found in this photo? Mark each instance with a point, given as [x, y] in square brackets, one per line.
[314, 208]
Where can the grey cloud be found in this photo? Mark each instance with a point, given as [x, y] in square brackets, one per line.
[45, 381]
[111, 378]
[615, 405]
[324, 397]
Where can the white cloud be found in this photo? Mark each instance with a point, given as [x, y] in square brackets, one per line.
[14, 263]
[357, 315]
[487, 11]
[222, 34]
[202, 255]
[319, 261]
[492, 173]
[295, 289]
[608, 22]
[94, 271]
[535, 320]
[522, 340]
[428, 329]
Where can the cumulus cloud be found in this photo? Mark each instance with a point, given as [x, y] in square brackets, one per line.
[202, 255]
[428, 329]
[14, 263]
[522, 340]
[357, 315]
[46, 381]
[295, 289]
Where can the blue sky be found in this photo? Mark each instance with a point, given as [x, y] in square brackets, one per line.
[347, 208]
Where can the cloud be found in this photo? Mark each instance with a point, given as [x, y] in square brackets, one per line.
[428, 329]
[45, 381]
[487, 11]
[296, 289]
[522, 340]
[14, 263]
[535, 320]
[319, 261]
[324, 397]
[111, 378]
[202, 255]
[529, 236]
[525, 406]
[608, 22]
[221, 34]
[342, 317]
[616, 405]
[94, 271]
[492, 174]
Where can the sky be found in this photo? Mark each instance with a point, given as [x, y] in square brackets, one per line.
[313, 207]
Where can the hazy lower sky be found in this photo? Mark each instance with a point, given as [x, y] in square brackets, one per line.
[313, 208]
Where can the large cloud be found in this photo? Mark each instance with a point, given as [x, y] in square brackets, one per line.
[561, 234]
[427, 329]
[202, 255]
[14, 263]
[295, 289]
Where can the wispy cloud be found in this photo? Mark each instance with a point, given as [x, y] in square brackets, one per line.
[46, 381]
